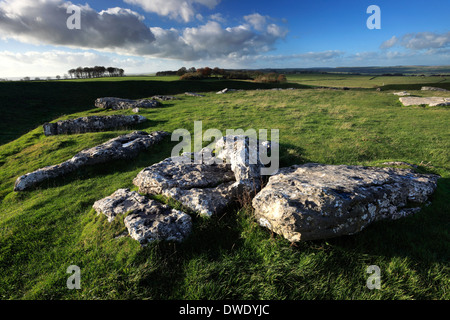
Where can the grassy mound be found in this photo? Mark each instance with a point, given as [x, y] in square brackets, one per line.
[43, 232]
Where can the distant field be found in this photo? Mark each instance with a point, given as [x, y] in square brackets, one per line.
[326, 80]
[44, 231]
[364, 81]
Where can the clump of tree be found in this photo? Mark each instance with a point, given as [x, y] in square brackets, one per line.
[166, 73]
[271, 77]
[192, 76]
[207, 72]
[201, 73]
[242, 74]
[95, 72]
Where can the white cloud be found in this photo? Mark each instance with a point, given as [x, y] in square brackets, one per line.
[389, 43]
[174, 9]
[419, 41]
[58, 62]
[257, 21]
[426, 40]
[44, 22]
[212, 41]
[217, 17]
[123, 31]
[320, 56]
[43, 64]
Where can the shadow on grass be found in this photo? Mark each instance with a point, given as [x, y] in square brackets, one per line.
[26, 105]
[146, 158]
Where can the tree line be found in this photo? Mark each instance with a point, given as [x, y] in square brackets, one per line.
[207, 72]
[95, 72]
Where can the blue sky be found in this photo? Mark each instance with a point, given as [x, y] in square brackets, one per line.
[144, 36]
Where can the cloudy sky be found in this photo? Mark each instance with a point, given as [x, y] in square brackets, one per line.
[145, 36]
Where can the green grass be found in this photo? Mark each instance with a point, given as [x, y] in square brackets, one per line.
[369, 81]
[48, 100]
[42, 232]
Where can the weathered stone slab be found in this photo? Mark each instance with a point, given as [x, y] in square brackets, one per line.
[201, 187]
[123, 147]
[433, 89]
[243, 154]
[164, 98]
[209, 186]
[205, 201]
[147, 220]
[91, 124]
[430, 101]
[193, 94]
[226, 90]
[122, 104]
[315, 201]
[402, 93]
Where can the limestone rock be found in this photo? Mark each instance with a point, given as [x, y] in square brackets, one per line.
[243, 153]
[163, 98]
[123, 147]
[433, 89]
[91, 124]
[147, 220]
[431, 101]
[121, 104]
[226, 90]
[402, 93]
[209, 186]
[206, 201]
[193, 94]
[315, 201]
[201, 187]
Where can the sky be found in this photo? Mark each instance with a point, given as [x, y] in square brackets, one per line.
[37, 38]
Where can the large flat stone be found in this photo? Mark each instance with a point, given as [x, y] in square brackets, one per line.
[204, 188]
[121, 104]
[123, 147]
[91, 124]
[147, 220]
[430, 101]
[433, 89]
[315, 201]
[214, 183]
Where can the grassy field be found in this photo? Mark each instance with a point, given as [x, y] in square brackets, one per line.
[367, 81]
[44, 231]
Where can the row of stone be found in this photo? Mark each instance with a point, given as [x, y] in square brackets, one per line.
[109, 122]
[311, 201]
[123, 147]
[304, 202]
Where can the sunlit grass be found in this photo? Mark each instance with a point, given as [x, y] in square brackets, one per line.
[44, 231]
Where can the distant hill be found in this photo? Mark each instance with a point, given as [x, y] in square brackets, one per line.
[396, 70]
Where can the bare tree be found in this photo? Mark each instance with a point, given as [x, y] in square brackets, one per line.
[181, 71]
[79, 72]
[72, 72]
